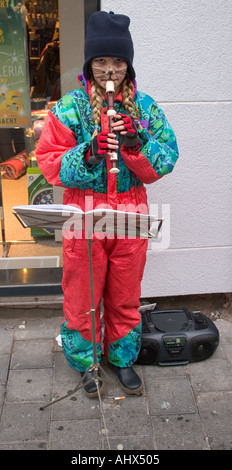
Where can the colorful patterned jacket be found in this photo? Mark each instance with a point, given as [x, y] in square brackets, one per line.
[66, 138]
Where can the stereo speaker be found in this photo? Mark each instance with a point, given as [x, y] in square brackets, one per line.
[176, 337]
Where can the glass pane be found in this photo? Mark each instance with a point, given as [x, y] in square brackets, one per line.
[54, 38]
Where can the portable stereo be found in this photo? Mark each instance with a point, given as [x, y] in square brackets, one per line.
[176, 337]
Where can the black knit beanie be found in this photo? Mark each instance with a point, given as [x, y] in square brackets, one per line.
[108, 35]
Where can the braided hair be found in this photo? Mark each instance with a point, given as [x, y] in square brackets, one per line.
[96, 102]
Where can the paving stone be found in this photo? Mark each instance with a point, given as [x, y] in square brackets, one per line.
[128, 417]
[179, 432]
[32, 354]
[75, 434]
[221, 441]
[227, 351]
[2, 393]
[215, 410]
[24, 422]
[38, 328]
[6, 340]
[29, 385]
[170, 396]
[130, 443]
[24, 446]
[63, 372]
[184, 407]
[211, 375]
[77, 406]
[4, 361]
[153, 372]
[225, 330]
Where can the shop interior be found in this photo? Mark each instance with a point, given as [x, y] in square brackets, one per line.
[21, 180]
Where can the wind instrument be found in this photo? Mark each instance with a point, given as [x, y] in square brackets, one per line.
[111, 113]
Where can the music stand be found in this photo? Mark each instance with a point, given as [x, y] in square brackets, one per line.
[135, 226]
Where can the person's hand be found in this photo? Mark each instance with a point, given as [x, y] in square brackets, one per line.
[101, 147]
[126, 130]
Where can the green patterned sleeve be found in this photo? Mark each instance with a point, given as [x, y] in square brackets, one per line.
[159, 143]
[74, 171]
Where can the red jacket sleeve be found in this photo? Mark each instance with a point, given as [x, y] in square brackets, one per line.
[140, 166]
[56, 139]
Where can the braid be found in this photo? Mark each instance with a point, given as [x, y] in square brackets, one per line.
[96, 100]
[127, 88]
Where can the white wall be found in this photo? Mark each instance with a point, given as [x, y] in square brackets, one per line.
[183, 60]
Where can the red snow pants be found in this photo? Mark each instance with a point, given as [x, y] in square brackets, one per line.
[118, 266]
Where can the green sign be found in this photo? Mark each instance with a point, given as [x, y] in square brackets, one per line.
[14, 80]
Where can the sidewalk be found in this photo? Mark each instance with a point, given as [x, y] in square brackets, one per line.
[184, 407]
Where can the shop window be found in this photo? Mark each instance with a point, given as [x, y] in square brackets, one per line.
[43, 47]
[21, 181]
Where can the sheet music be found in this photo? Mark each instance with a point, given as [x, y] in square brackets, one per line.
[101, 220]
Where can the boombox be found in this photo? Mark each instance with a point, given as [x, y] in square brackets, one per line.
[176, 337]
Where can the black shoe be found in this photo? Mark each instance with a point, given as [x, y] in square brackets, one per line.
[91, 387]
[129, 381]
